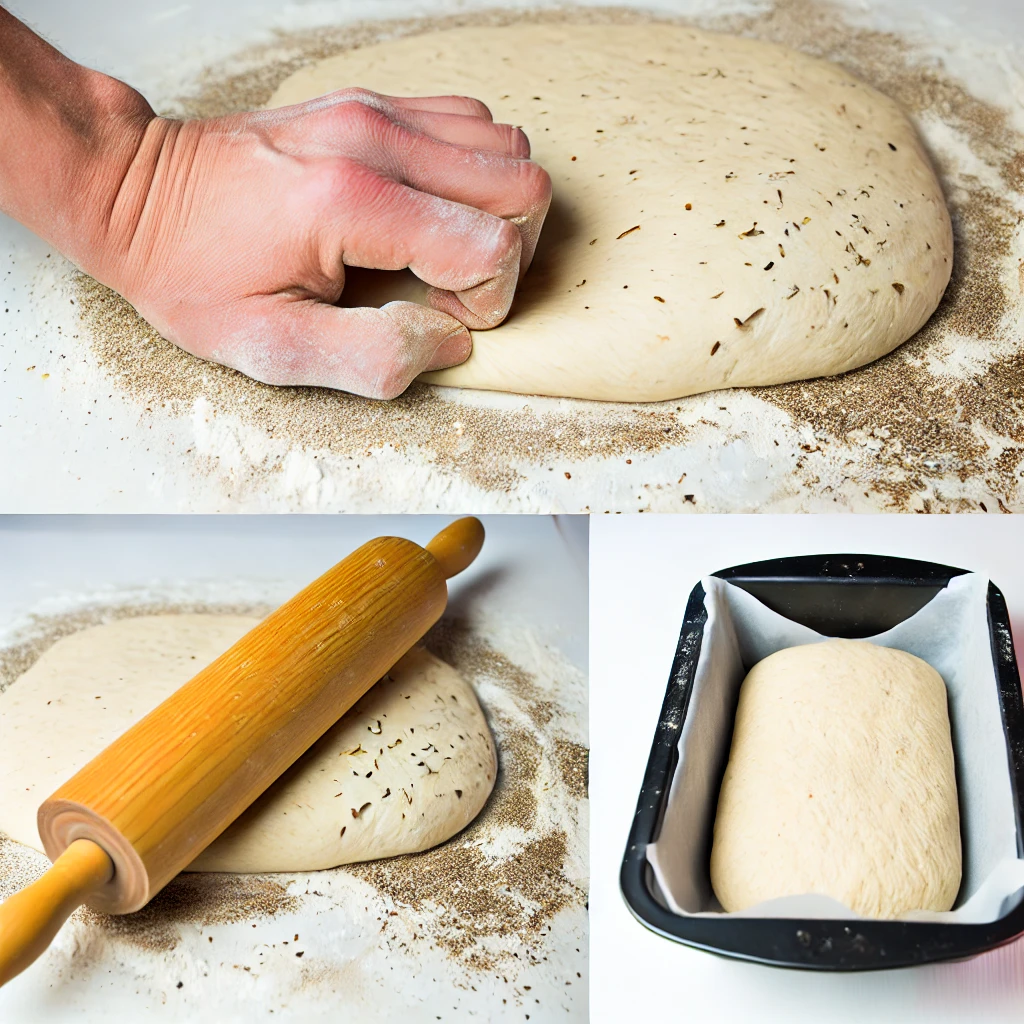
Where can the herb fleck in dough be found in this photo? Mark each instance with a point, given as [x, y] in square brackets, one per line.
[726, 212]
[409, 766]
[840, 782]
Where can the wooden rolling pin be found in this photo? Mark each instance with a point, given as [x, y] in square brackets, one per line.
[142, 810]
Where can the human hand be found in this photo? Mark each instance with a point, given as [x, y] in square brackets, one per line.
[231, 236]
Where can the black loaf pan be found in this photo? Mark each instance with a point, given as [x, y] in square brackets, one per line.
[850, 596]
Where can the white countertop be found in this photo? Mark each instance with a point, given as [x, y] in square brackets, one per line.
[76, 440]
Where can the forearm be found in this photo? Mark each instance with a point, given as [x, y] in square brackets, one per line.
[70, 137]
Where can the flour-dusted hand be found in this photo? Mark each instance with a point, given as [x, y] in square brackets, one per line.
[231, 235]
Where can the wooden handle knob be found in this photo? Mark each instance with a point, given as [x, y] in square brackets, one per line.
[455, 547]
[31, 918]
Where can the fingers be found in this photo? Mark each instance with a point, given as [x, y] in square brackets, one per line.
[440, 104]
[413, 319]
[376, 353]
[468, 173]
[443, 105]
[344, 121]
[485, 305]
[517, 190]
[470, 132]
[384, 225]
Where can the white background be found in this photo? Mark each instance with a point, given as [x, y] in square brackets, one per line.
[642, 569]
[531, 569]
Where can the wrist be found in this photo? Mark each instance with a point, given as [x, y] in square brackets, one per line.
[71, 140]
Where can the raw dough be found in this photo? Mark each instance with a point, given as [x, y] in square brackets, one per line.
[840, 782]
[726, 211]
[405, 769]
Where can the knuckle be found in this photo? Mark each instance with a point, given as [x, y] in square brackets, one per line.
[323, 183]
[394, 375]
[365, 96]
[535, 183]
[475, 107]
[322, 178]
[382, 139]
[353, 184]
[507, 237]
[364, 118]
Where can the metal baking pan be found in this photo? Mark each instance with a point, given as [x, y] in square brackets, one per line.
[840, 595]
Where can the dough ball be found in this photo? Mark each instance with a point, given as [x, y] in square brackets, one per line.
[726, 211]
[405, 769]
[408, 766]
[840, 782]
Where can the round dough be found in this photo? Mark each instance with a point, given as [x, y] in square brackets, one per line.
[409, 766]
[726, 211]
[840, 782]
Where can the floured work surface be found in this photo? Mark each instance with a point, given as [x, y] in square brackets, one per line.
[725, 211]
[494, 918]
[937, 425]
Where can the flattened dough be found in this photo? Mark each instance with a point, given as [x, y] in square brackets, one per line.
[405, 769]
[840, 782]
[726, 211]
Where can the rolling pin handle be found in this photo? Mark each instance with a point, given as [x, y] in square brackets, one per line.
[455, 547]
[32, 917]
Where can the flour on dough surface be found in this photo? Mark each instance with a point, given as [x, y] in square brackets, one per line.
[840, 782]
[410, 765]
[726, 211]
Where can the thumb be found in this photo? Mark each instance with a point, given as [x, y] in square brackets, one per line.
[376, 353]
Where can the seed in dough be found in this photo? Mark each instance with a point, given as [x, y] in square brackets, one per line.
[840, 782]
[785, 211]
[409, 766]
